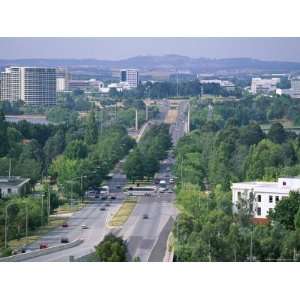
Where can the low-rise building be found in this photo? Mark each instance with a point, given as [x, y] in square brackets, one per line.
[265, 195]
[226, 84]
[264, 86]
[13, 185]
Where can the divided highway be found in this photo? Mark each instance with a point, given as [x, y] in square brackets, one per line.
[146, 238]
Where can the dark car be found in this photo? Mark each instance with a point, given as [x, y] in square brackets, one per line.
[64, 240]
[107, 204]
[102, 208]
[43, 245]
[65, 225]
[145, 216]
[112, 198]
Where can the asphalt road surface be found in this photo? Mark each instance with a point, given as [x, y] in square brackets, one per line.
[146, 237]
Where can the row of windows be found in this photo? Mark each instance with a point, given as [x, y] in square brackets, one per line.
[270, 198]
[258, 210]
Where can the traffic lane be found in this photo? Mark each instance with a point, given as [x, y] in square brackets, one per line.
[53, 237]
[91, 237]
[143, 234]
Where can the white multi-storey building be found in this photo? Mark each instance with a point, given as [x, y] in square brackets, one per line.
[62, 80]
[130, 76]
[264, 86]
[265, 194]
[32, 85]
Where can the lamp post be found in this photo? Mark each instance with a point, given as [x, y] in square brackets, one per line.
[6, 224]
[42, 209]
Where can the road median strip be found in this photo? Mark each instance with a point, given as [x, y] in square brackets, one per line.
[123, 213]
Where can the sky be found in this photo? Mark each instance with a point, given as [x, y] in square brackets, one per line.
[280, 49]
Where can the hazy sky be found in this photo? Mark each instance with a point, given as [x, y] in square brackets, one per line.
[287, 49]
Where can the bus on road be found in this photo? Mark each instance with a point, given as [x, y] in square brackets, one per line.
[140, 190]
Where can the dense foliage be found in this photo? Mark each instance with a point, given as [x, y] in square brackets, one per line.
[143, 161]
[111, 249]
[230, 146]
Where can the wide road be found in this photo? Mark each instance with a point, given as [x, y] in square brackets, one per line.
[146, 237]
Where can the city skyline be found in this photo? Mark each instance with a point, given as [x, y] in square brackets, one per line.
[276, 49]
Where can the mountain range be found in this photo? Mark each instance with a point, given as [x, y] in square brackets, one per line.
[165, 62]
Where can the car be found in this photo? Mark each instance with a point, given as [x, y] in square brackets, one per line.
[118, 187]
[107, 204]
[145, 216]
[65, 225]
[43, 245]
[83, 226]
[102, 208]
[169, 191]
[171, 180]
[112, 197]
[162, 190]
[64, 240]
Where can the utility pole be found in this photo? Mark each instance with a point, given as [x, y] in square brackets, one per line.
[177, 85]
[188, 119]
[49, 199]
[136, 120]
[42, 209]
[9, 170]
[146, 112]
[26, 222]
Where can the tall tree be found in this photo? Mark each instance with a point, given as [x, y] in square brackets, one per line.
[91, 133]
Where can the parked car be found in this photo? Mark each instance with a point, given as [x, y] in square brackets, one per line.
[83, 226]
[65, 225]
[112, 197]
[102, 208]
[145, 216]
[64, 240]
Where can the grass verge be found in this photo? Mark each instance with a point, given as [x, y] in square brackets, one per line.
[122, 215]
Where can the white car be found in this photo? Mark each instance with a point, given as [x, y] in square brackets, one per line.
[83, 226]
[162, 190]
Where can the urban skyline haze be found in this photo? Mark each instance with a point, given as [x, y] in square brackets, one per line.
[278, 49]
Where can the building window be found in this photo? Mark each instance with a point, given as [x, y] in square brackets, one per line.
[8, 191]
[259, 211]
[258, 198]
[271, 199]
[239, 194]
[283, 183]
[276, 199]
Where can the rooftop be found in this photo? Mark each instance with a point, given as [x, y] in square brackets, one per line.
[13, 181]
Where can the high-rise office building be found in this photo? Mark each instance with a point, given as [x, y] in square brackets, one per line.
[62, 80]
[130, 76]
[32, 85]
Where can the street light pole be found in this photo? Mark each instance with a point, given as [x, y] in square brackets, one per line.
[26, 222]
[42, 209]
[49, 199]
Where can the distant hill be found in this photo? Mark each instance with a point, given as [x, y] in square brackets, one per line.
[166, 62]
